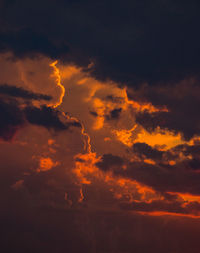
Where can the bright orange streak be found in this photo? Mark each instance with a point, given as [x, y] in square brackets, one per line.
[142, 107]
[125, 136]
[56, 74]
[163, 213]
[187, 197]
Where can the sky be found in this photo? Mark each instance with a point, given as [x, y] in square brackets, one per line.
[99, 126]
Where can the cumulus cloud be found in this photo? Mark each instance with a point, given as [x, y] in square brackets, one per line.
[130, 70]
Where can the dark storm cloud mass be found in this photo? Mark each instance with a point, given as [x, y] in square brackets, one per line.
[148, 151]
[26, 43]
[109, 161]
[13, 116]
[129, 41]
[183, 176]
[182, 101]
[47, 117]
[21, 93]
[11, 119]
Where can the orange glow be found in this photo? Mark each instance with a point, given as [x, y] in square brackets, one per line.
[163, 213]
[131, 189]
[164, 139]
[125, 136]
[172, 162]
[85, 165]
[68, 72]
[161, 138]
[107, 139]
[187, 197]
[56, 74]
[143, 106]
[149, 161]
[85, 169]
[100, 109]
[46, 164]
[83, 81]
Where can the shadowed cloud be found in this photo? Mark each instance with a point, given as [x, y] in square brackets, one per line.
[22, 93]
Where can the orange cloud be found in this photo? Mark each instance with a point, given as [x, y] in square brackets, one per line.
[163, 213]
[46, 163]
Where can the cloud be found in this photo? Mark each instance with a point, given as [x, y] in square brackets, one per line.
[181, 101]
[174, 170]
[11, 119]
[109, 161]
[144, 42]
[143, 149]
[27, 43]
[47, 117]
[14, 91]
[15, 116]
[151, 48]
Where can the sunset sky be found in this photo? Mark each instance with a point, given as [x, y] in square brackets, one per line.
[100, 126]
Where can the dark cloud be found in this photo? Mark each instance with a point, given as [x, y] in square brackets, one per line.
[182, 102]
[14, 116]
[47, 117]
[14, 91]
[109, 161]
[44, 230]
[183, 176]
[143, 149]
[111, 115]
[95, 114]
[28, 43]
[11, 119]
[114, 114]
[175, 206]
[129, 42]
[165, 178]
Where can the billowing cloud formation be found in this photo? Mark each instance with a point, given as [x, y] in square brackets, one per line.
[26, 43]
[123, 79]
[182, 101]
[129, 41]
[14, 116]
[174, 170]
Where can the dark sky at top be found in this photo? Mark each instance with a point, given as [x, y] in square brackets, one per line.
[99, 126]
[129, 41]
